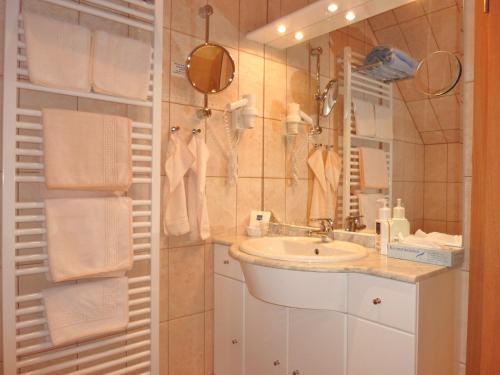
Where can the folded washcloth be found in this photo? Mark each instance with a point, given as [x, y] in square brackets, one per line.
[395, 63]
[383, 122]
[89, 237]
[58, 53]
[373, 169]
[82, 311]
[121, 66]
[433, 240]
[87, 151]
[364, 115]
[368, 209]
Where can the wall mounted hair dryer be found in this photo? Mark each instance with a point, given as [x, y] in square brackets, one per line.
[243, 112]
[294, 117]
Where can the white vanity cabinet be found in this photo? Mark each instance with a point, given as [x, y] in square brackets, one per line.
[386, 327]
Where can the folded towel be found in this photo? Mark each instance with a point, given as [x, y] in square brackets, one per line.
[395, 63]
[368, 208]
[373, 168]
[89, 237]
[383, 122]
[431, 240]
[319, 207]
[121, 66]
[82, 311]
[364, 115]
[58, 53]
[197, 200]
[333, 169]
[179, 161]
[87, 151]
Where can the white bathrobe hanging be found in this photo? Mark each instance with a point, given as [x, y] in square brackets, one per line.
[319, 207]
[179, 161]
[197, 201]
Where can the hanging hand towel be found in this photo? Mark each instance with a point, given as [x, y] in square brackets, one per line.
[373, 168]
[87, 151]
[364, 115]
[383, 122]
[121, 66]
[319, 207]
[333, 169]
[368, 208]
[179, 161]
[58, 53]
[89, 237]
[197, 201]
[82, 311]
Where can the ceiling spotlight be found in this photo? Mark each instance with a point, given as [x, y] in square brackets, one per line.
[281, 29]
[299, 35]
[332, 8]
[350, 16]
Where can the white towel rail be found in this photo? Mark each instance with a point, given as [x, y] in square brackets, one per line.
[357, 84]
[27, 346]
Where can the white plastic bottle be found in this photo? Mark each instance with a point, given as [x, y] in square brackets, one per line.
[399, 223]
[383, 227]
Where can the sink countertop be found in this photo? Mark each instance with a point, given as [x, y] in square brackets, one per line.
[373, 264]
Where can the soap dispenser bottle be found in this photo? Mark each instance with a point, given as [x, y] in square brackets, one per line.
[383, 227]
[399, 223]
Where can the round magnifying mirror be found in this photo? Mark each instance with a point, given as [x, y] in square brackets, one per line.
[329, 97]
[210, 68]
[438, 73]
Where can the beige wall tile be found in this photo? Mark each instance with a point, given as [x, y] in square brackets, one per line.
[274, 196]
[225, 22]
[433, 137]
[404, 127]
[274, 149]
[251, 79]
[433, 5]
[434, 226]
[455, 170]
[209, 342]
[209, 277]
[447, 110]
[383, 20]
[250, 151]
[186, 18]
[393, 36]
[454, 202]
[446, 26]
[298, 56]
[221, 201]
[186, 341]
[163, 348]
[186, 281]
[289, 6]
[435, 201]
[418, 35]
[218, 145]
[298, 88]
[253, 14]
[164, 282]
[249, 198]
[274, 90]
[296, 202]
[436, 163]
[468, 122]
[409, 11]
[423, 115]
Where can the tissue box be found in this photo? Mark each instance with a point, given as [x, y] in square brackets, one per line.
[447, 256]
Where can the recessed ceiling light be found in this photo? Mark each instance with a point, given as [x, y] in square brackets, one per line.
[281, 29]
[332, 8]
[350, 16]
[299, 35]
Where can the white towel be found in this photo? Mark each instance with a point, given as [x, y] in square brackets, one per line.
[319, 207]
[82, 311]
[368, 208]
[364, 115]
[373, 168]
[383, 122]
[197, 201]
[87, 151]
[58, 53]
[333, 169]
[89, 237]
[121, 66]
[432, 240]
[179, 161]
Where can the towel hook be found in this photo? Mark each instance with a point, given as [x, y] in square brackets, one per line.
[174, 129]
[196, 131]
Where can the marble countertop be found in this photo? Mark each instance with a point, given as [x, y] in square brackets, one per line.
[374, 264]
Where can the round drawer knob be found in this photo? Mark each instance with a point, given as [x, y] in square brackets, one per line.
[226, 262]
[276, 363]
[296, 372]
[377, 301]
[235, 341]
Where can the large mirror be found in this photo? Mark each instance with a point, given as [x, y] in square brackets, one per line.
[210, 68]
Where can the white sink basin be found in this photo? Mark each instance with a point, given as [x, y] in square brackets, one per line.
[303, 249]
[279, 284]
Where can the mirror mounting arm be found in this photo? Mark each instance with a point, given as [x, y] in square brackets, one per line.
[206, 12]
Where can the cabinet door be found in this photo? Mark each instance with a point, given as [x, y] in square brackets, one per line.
[378, 350]
[317, 342]
[265, 337]
[228, 325]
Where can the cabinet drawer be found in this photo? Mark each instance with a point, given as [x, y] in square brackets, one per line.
[225, 265]
[389, 302]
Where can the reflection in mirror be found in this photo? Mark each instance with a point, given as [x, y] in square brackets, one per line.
[210, 68]
[329, 97]
[438, 73]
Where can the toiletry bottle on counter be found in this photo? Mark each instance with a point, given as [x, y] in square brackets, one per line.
[383, 227]
[399, 223]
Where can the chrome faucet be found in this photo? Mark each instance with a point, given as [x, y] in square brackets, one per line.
[353, 223]
[325, 231]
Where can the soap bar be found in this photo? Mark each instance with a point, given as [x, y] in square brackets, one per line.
[447, 256]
